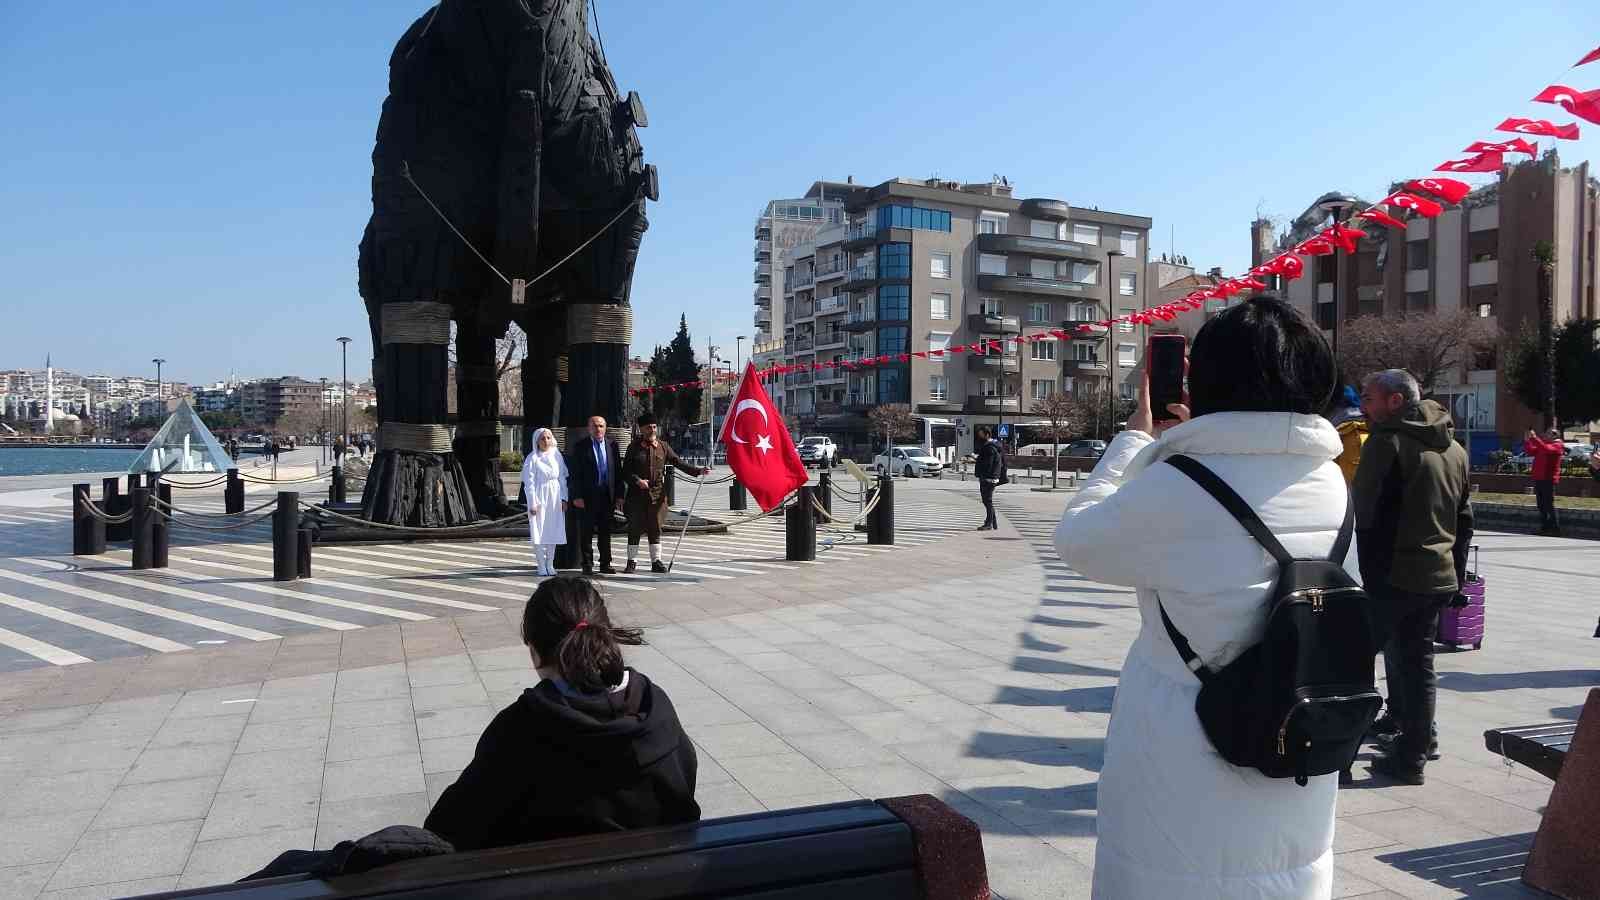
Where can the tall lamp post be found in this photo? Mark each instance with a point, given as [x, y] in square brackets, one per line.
[1112, 286]
[1334, 204]
[158, 361]
[738, 353]
[344, 383]
[323, 402]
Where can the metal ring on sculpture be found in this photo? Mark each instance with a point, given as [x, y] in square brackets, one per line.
[418, 322]
[599, 323]
[415, 438]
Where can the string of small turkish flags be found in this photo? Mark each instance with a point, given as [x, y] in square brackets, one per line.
[1422, 197]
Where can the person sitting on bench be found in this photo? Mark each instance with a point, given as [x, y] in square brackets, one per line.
[593, 747]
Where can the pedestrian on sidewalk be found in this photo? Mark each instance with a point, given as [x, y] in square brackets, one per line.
[544, 484]
[990, 469]
[1547, 454]
[594, 747]
[1175, 819]
[1413, 530]
[596, 491]
[644, 476]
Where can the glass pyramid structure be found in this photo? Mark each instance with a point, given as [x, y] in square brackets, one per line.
[184, 445]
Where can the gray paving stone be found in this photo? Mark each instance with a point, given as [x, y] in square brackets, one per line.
[229, 859]
[375, 777]
[362, 713]
[159, 801]
[285, 734]
[137, 887]
[200, 730]
[222, 701]
[126, 854]
[454, 722]
[385, 682]
[842, 749]
[345, 744]
[273, 769]
[448, 754]
[725, 742]
[449, 696]
[25, 881]
[291, 707]
[181, 761]
[727, 799]
[40, 795]
[889, 780]
[245, 812]
[436, 782]
[351, 819]
[38, 839]
[769, 778]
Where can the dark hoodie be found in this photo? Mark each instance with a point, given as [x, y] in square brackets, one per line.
[1413, 510]
[555, 765]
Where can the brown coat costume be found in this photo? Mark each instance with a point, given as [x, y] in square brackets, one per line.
[647, 509]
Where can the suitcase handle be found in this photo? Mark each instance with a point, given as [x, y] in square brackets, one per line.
[1472, 574]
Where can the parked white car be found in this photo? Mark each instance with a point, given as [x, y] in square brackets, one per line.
[912, 462]
[817, 451]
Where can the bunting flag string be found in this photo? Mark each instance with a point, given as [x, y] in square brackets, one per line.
[1423, 197]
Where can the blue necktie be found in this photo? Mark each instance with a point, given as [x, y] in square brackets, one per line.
[600, 457]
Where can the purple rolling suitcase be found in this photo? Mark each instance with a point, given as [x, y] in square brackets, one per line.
[1465, 625]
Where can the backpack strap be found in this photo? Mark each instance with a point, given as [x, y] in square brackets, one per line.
[1341, 544]
[1181, 644]
[1235, 505]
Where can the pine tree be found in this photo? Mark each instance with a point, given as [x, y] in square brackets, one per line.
[681, 367]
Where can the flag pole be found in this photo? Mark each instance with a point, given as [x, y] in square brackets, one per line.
[688, 517]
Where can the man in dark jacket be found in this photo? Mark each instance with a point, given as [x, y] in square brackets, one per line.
[592, 468]
[989, 469]
[1413, 528]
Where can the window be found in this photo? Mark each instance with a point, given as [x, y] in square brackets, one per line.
[992, 223]
[939, 306]
[894, 340]
[991, 264]
[1325, 270]
[1325, 315]
[1127, 284]
[1042, 387]
[988, 306]
[1124, 325]
[912, 217]
[1041, 228]
[894, 261]
[939, 340]
[1416, 301]
[1038, 312]
[1084, 312]
[1485, 310]
[988, 387]
[939, 264]
[1130, 244]
[1084, 273]
[1086, 234]
[892, 386]
[1416, 255]
[1045, 350]
[1127, 355]
[894, 302]
[1125, 390]
[1042, 268]
[938, 388]
[1083, 351]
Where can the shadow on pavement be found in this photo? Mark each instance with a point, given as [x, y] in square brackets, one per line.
[1473, 682]
[1491, 867]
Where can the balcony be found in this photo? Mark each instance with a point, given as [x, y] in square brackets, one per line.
[993, 404]
[803, 309]
[764, 294]
[799, 344]
[763, 251]
[800, 280]
[861, 231]
[985, 323]
[828, 407]
[1485, 272]
[940, 405]
[1091, 366]
[1045, 208]
[861, 319]
[829, 376]
[859, 402]
[993, 362]
[836, 337]
[764, 273]
[1416, 280]
[831, 269]
[763, 318]
[1078, 317]
[797, 379]
[1047, 287]
[861, 276]
[1044, 248]
[764, 228]
[835, 304]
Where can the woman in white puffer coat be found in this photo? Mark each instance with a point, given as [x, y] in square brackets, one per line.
[1175, 819]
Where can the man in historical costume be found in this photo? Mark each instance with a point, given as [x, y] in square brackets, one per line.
[644, 475]
[593, 465]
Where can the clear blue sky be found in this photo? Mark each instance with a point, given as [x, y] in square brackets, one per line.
[189, 180]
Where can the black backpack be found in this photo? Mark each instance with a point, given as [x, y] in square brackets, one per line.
[1299, 702]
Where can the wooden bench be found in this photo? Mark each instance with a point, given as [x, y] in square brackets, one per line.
[1541, 748]
[907, 847]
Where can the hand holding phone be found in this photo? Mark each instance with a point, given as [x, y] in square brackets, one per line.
[1165, 365]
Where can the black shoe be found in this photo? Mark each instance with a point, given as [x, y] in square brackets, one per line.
[1390, 744]
[1384, 724]
[658, 567]
[607, 570]
[1345, 778]
[588, 570]
[1394, 768]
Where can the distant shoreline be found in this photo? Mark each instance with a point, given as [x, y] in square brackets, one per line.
[25, 445]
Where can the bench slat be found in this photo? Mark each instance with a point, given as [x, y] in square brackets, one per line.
[1542, 748]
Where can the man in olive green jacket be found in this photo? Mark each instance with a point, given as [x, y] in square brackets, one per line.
[1413, 527]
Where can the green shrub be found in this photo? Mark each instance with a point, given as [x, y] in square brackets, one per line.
[510, 462]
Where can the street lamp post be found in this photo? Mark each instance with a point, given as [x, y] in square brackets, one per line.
[158, 361]
[1334, 204]
[322, 401]
[344, 383]
[738, 353]
[1111, 294]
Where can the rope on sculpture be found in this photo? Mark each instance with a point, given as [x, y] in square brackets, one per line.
[89, 507]
[599, 323]
[191, 486]
[419, 322]
[416, 438]
[486, 428]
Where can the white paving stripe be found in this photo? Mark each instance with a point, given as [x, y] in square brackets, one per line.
[162, 612]
[304, 596]
[38, 649]
[271, 611]
[430, 552]
[148, 641]
[359, 588]
[434, 582]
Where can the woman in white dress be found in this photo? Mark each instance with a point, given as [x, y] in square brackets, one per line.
[544, 483]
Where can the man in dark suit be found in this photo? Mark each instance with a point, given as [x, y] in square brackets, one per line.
[592, 482]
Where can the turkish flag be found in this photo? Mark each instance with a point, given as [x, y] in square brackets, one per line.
[1289, 266]
[1447, 189]
[1420, 205]
[1347, 238]
[1378, 215]
[1487, 161]
[1593, 55]
[1541, 127]
[1317, 245]
[1584, 105]
[760, 452]
[1515, 145]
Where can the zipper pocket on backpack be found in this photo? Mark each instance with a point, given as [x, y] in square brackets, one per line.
[1283, 726]
[1316, 596]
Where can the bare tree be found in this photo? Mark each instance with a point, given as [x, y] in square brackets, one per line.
[1059, 410]
[1428, 345]
[892, 420]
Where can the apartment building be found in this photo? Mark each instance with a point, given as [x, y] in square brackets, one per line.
[783, 226]
[266, 401]
[1476, 256]
[930, 264]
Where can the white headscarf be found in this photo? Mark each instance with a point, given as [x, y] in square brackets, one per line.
[549, 461]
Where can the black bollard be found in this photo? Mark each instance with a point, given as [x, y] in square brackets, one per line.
[114, 503]
[142, 527]
[336, 485]
[738, 497]
[825, 495]
[162, 531]
[88, 532]
[800, 527]
[285, 531]
[672, 486]
[233, 494]
[303, 551]
[880, 524]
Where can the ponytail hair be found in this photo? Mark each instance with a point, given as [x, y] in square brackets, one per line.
[566, 623]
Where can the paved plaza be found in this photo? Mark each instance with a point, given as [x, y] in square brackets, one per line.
[179, 728]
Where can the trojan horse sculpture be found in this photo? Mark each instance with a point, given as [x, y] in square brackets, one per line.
[508, 185]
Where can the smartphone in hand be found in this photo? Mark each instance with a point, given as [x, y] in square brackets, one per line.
[1165, 360]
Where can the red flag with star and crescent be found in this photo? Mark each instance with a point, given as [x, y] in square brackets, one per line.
[760, 452]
